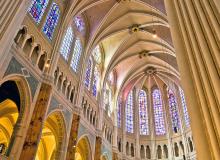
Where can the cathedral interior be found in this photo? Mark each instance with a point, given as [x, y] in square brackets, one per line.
[109, 79]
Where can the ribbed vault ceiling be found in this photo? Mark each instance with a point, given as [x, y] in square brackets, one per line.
[125, 30]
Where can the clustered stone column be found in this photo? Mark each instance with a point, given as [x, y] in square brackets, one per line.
[98, 148]
[71, 150]
[195, 32]
[36, 125]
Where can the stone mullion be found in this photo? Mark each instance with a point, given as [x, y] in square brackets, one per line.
[44, 17]
[33, 45]
[123, 127]
[71, 54]
[71, 149]
[36, 125]
[151, 123]
[38, 58]
[136, 121]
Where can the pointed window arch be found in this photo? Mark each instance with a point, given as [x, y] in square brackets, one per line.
[158, 112]
[185, 111]
[37, 9]
[76, 55]
[129, 113]
[88, 73]
[51, 21]
[173, 110]
[67, 43]
[95, 81]
[143, 113]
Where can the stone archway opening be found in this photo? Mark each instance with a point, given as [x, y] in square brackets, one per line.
[83, 151]
[10, 107]
[51, 140]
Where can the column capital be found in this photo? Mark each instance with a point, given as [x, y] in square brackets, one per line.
[77, 109]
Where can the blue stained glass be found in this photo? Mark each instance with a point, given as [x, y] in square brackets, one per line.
[76, 55]
[79, 22]
[88, 74]
[173, 111]
[119, 107]
[129, 113]
[143, 113]
[66, 43]
[158, 113]
[95, 82]
[51, 21]
[37, 9]
[185, 111]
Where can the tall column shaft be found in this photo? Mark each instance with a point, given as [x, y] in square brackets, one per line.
[98, 148]
[71, 150]
[195, 31]
[34, 131]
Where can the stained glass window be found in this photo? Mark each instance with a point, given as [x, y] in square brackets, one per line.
[66, 43]
[119, 107]
[158, 113]
[185, 111]
[129, 113]
[173, 110]
[51, 21]
[37, 9]
[95, 81]
[97, 54]
[76, 55]
[143, 113]
[88, 74]
[79, 22]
